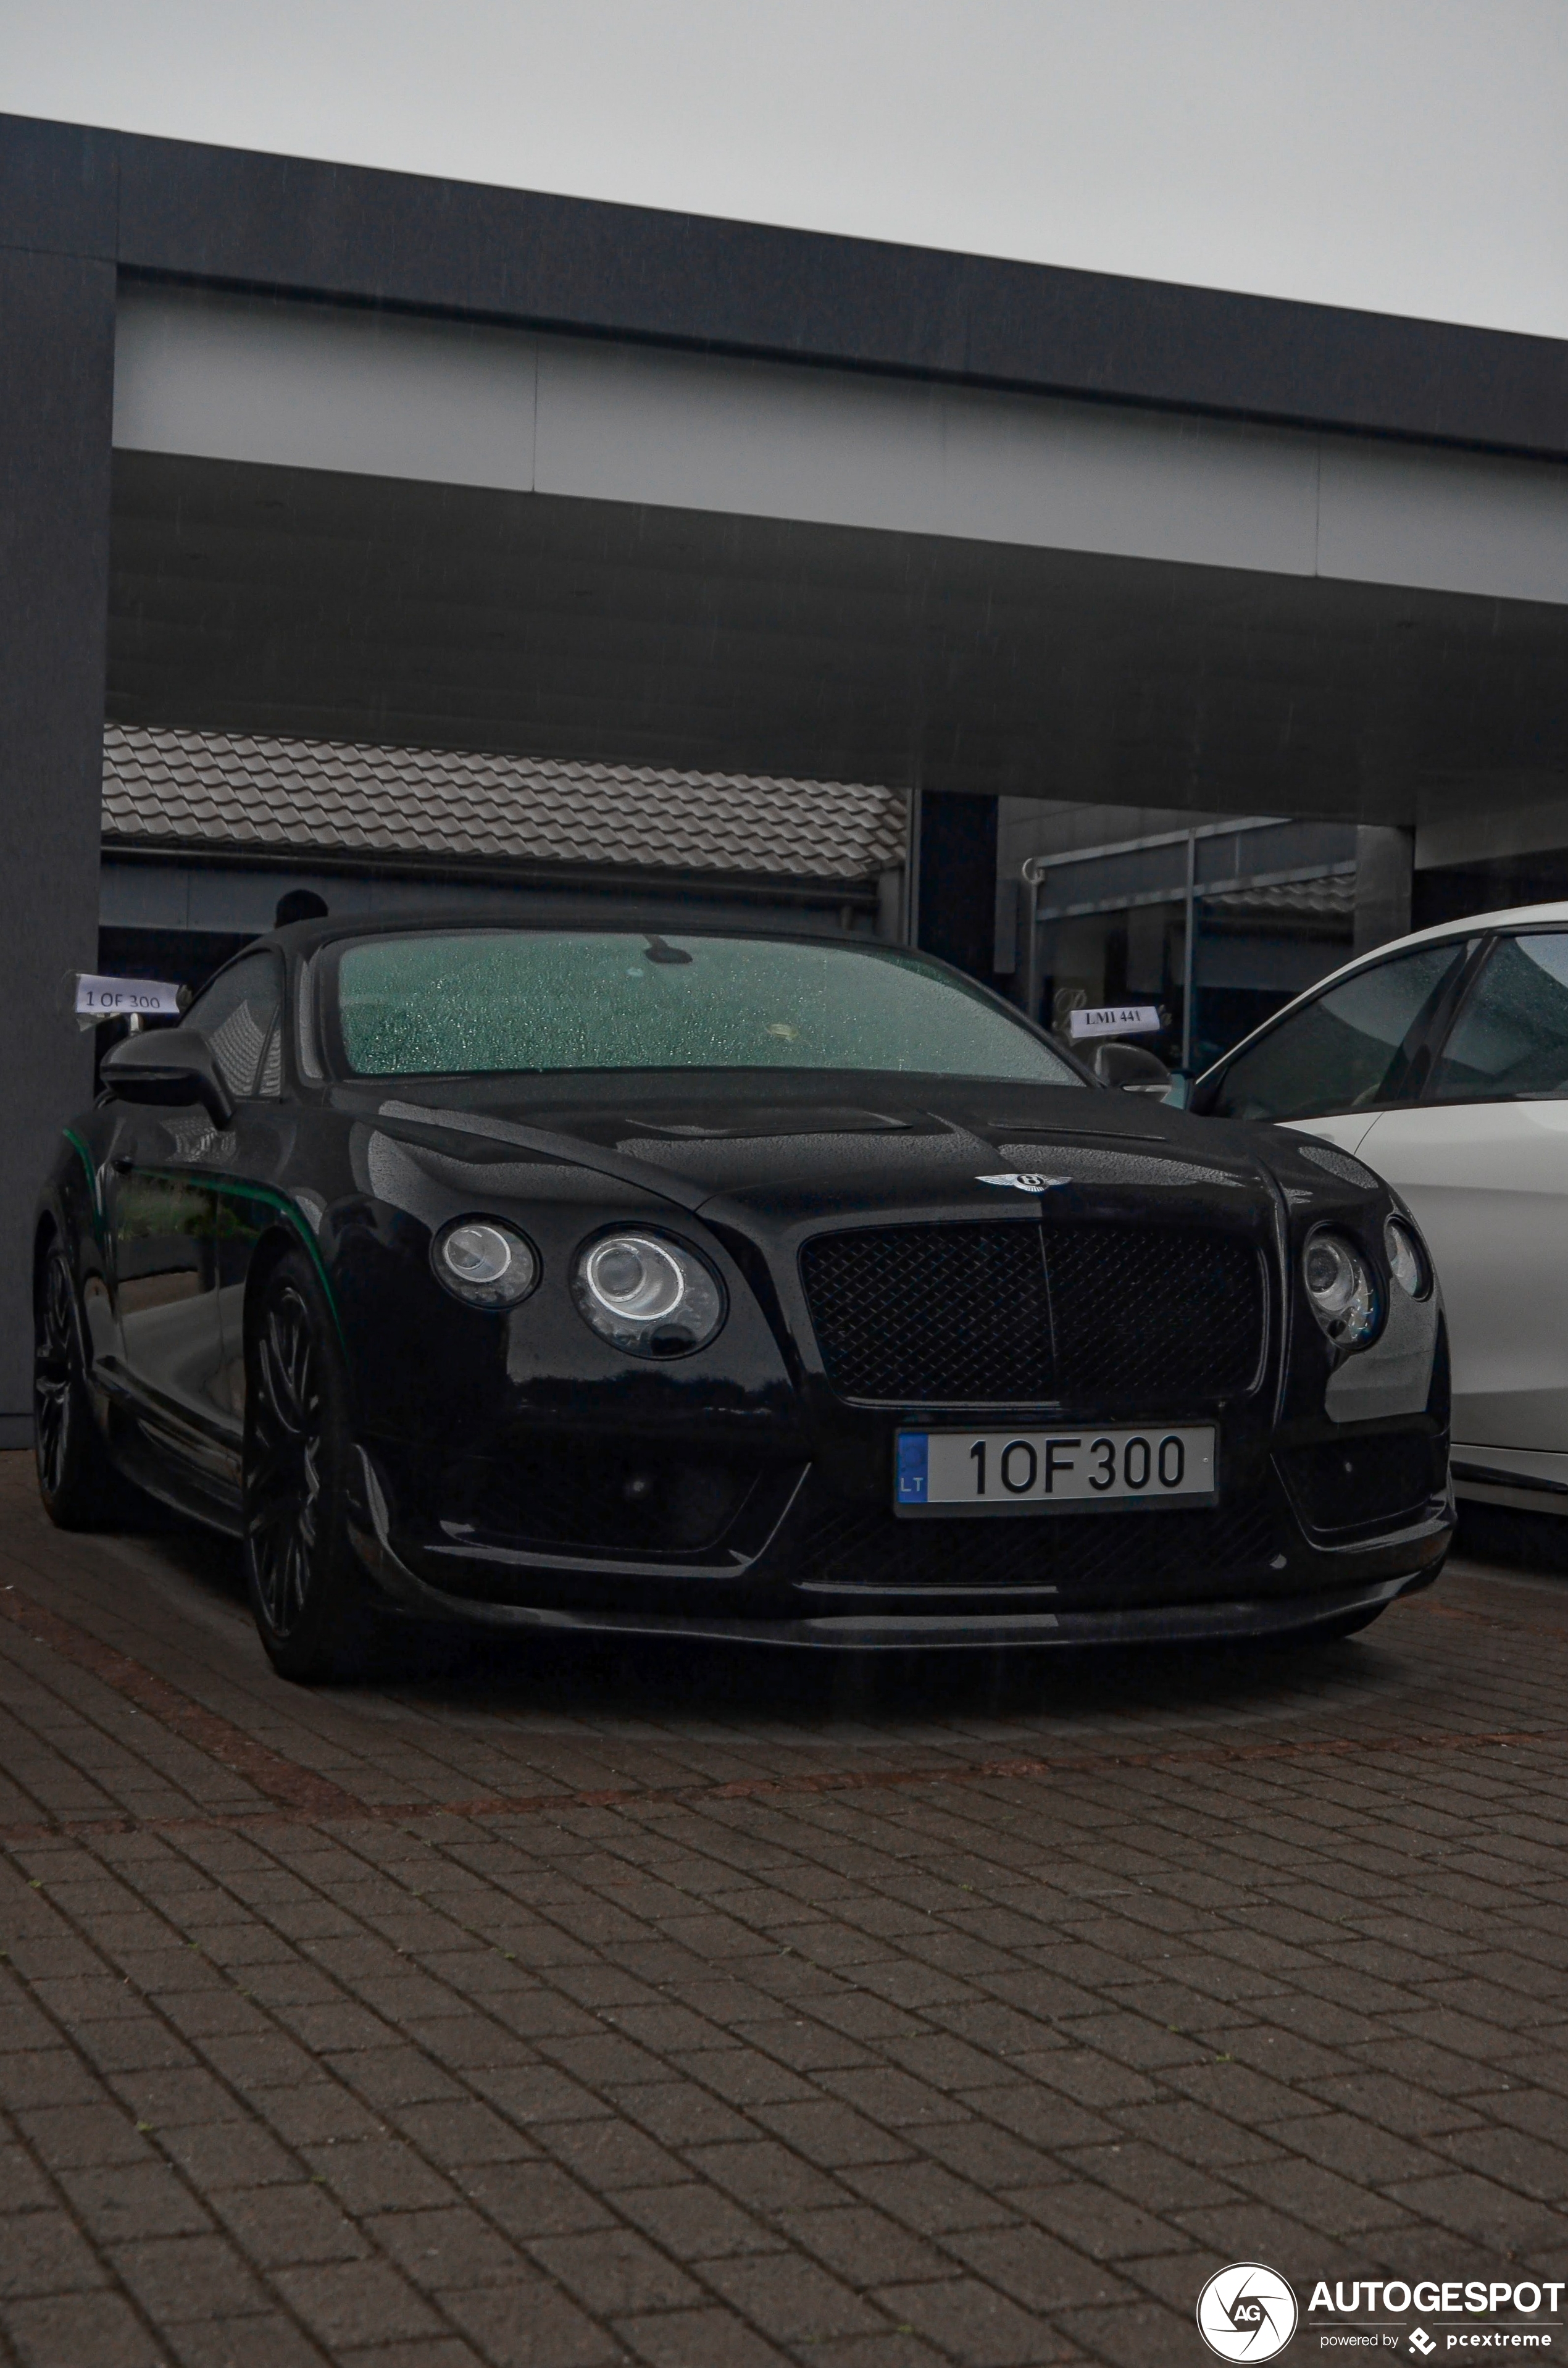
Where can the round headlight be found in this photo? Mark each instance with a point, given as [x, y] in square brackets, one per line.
[1406, 1262]
[653, 1297]
[1341, 1288]
[484, 1262]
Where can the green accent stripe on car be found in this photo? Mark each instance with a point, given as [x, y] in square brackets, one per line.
[302, 1226]
[85, 1157]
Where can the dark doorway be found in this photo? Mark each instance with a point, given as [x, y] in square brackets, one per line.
[958, 881]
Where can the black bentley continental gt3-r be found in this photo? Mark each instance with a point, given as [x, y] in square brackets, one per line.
[728, 1286]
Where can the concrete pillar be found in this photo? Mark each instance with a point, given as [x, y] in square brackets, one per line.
[56, 391]
[1385, 867]
[890, 904]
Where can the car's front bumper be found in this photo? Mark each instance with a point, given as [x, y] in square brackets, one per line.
[1250, 1570]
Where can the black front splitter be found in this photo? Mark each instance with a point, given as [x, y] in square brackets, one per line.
[903, 1632]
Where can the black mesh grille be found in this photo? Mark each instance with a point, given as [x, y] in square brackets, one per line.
[963, 1314]
[932, 1313]
[1127, 1556]
[1143, 1316]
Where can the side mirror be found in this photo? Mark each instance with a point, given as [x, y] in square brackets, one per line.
[171, 1067]
[1131, 1066]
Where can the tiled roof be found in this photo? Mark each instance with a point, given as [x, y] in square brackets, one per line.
[1329, 898]
[212, 791]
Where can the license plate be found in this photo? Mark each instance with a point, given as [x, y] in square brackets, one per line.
[1004, 1471]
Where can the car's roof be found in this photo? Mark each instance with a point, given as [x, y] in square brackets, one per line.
[1471, 925]
[304, 937]
[1511, 917]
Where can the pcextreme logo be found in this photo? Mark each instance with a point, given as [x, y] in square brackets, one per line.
[1246, 2312]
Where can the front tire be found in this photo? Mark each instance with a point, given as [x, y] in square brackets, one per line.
[302, 1573]
[79, 1485]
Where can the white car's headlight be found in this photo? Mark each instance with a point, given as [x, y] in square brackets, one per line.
[1341, 1287]
[651, 1296]
[1407, 1259]
[484, 1261]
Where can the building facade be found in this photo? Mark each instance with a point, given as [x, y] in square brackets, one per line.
[300, 455]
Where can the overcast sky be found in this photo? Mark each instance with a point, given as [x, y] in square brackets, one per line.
[1404, 155]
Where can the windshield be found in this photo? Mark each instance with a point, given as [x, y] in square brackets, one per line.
[476, 1001]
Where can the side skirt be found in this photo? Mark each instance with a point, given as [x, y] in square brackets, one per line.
[192, 1471]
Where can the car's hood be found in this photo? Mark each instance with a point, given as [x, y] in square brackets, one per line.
[799, 1145]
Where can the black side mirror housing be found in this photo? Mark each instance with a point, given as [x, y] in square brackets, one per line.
[1131, 1066]
[171, 1067]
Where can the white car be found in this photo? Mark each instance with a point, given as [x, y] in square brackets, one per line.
[1442, 1062]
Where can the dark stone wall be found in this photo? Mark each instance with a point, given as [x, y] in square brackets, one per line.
[56, 390]
[1460, 889]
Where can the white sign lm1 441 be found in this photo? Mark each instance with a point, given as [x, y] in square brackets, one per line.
[1115, 1019]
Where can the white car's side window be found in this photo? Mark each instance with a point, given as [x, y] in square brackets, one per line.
[1348, 1050]
[1511, 1036]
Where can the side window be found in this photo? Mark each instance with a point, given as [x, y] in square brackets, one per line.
[238, 1016]
[1350, 1049]
[1511, 1036]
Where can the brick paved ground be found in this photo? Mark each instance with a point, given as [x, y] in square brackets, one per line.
[567, 2007]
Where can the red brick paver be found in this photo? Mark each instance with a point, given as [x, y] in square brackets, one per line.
[568, 2007]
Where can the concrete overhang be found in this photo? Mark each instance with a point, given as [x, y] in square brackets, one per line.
[182, 210]
[334, 522]
[415, 459]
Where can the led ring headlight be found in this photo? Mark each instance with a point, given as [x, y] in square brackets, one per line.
[1341, 1289]
[1407, 1260]
[650, 1296]
[484, 1261]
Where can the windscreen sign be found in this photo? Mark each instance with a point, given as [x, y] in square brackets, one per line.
[118, 998]
[1113, 1019]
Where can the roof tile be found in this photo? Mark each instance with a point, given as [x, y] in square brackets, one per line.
[209, 790]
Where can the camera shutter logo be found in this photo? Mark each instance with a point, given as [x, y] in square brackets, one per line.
[1246, 2312]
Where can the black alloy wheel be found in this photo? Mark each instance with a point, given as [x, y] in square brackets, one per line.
[301, 1569]
[79, 1485]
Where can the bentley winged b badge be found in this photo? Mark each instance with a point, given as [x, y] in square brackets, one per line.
[1025, 1183]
